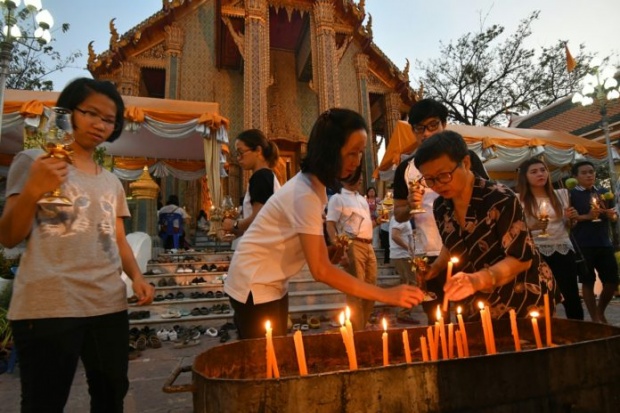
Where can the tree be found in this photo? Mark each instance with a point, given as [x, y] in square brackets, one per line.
[31, 62]
[483, 80]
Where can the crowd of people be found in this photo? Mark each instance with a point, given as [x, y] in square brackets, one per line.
[513, 248]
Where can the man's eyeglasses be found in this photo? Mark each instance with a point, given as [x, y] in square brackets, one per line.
[240, 153]
[93, 116]
[430, 126]
[442, 178]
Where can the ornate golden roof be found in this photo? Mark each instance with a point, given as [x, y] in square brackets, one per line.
[144, 187]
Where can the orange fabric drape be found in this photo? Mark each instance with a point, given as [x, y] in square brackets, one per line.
[212, 120]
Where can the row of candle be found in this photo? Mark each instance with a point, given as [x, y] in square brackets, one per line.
[437, 338]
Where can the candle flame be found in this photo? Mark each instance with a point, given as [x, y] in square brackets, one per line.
[347, 312]
[481, 305]
[268, 325]
[534, 314]
[342, 318]
[454, 260]
[458, 309]
[438, 313]
[384, 324]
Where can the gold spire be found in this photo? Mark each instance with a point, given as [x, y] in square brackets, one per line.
[144, 187]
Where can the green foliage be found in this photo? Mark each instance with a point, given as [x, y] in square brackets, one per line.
[31, 62]
[484, 77]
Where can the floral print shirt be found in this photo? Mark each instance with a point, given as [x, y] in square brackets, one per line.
[494, 229]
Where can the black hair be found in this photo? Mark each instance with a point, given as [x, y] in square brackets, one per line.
[427, 108]
[329, 134]
[369, 188]
[575, 168]
[253, 138]
[173, 200]
[81, 88]
[447, 143]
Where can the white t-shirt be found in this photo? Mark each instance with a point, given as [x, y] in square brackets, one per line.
[167, 209]
[342, 206]
[406, 234]
[270, 251]
[425, 222]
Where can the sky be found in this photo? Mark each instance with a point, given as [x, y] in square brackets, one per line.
[403, 29]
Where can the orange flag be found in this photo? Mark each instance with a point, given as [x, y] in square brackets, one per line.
[570, 60]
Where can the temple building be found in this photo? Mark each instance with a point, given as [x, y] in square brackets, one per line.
[274, 65]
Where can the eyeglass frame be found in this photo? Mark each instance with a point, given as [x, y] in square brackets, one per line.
[239, 154]
[431, 126]
[90, 114]
[449, 177]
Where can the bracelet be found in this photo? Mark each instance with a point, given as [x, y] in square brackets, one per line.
[493, 276]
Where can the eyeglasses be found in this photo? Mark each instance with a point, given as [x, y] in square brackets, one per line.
[240, 153]
[442, 178]
[430, 126]
[93, 116]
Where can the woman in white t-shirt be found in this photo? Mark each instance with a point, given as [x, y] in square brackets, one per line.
[538, 196]
[257, 154]
[288, 233]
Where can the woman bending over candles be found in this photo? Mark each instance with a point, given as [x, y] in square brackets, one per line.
[482, 224]
[288, 234]
[548, 215]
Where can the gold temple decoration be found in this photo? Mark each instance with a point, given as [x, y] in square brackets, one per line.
[144, 187]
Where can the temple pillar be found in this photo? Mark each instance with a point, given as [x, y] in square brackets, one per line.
[256, 71]
[392, 114]
[361, 70]
[129, 79]
[324, 59]
[173, 45]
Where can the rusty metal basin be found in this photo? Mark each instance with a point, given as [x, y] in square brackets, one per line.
[580, 373]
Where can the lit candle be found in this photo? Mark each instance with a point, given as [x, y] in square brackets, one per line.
[459, 344]
[450, 341]
[451, 263]
[459, 318]
[272, 363]
[268, 350]
[548, 320]
[347, 344]
[406, 347]
[534, 315]
[350, 336]
[423, 348]
[301, 354]
[485, 328]
[543, 210]
[442, 334]
[491, 333]
[515, 330]
[384, 338]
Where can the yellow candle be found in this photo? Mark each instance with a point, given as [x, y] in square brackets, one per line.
[384, 338]
[491, 333]
[485, 328]
[301, 354]
[442, 334]
[548, 320]
[271, 353]
[432, 348]
[268, 350]
[406, 347]
[459, 318]
[423, 348]
[515, 330]
[459, 344]
[534, 315]
[451, 263]
[350, 335]
[347, 344]
[450, 341]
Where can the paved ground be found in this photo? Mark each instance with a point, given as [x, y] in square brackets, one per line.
[149, 372]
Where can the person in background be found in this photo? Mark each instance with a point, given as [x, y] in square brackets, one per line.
[69, 301]
[426, 117]
[538, 197]
[172, 206]
[257, 154]
[384, 228]
[401, 253]
[372, 199]
[482, 224]
[203, 221]
[288, 234]
[591, 232]
[348, 212]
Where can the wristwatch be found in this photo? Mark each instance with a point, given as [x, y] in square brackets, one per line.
[236, 225]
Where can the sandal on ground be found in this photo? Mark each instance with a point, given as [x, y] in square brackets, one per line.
[314, 322]
[187, 343]
[304, 327]
[211, 331]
